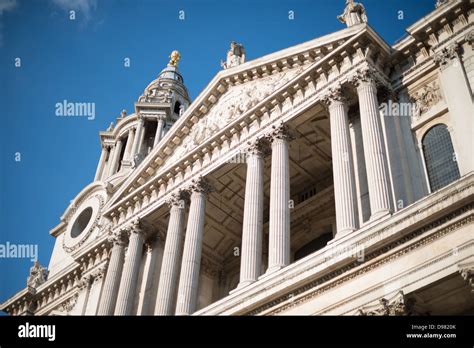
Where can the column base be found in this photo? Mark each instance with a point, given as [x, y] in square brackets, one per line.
[342, 233]
[271, 271]
[241, 285]
[380, 214]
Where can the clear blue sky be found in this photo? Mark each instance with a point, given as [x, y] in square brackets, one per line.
[83, 61]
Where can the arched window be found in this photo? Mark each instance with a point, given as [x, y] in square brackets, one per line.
[440, 159]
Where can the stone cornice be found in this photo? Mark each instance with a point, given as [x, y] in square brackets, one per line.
[427, 38]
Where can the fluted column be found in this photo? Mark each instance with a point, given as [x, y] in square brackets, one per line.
[101, 165]
[342, 164]
[138, 137]
[116, 157]
[159, 129]
[128, 148]
[189, 277]
[279, 226]
[112, 279]
[168, 286]
[374, 147]
[128, 283]
[251, 259]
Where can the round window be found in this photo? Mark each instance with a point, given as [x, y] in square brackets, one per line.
[81, 222]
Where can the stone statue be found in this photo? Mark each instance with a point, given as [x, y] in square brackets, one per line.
[441, 3]
[354, 14]
[111, 127]
[38, 275]
[174, 58]
[181, 110]
[235, 56]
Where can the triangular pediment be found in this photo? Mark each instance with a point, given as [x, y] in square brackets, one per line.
[231, 94]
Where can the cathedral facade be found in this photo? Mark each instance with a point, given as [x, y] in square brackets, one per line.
[334, 177]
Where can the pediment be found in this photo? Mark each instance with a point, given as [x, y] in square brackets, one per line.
[227, 97]
[233, 103]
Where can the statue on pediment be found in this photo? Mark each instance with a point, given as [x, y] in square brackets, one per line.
[353, 14]
[235, 56]
[38, 275]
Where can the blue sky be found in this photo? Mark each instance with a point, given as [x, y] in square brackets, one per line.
[82, 60]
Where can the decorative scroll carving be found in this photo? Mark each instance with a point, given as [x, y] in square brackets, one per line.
[399, 305]
[68, 305]
[425, 99]
[85, 235]
[38, 275]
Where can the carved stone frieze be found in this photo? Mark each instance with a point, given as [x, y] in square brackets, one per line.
[426, 98]
[232, 104]
[399, 305]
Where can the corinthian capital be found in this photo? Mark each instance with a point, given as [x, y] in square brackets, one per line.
[139, 226]
[334, 95]
[279, 132]
[365, 75]
[117, 238]
[446, 55]
[179, 199]
[200, 185]
[258, 147]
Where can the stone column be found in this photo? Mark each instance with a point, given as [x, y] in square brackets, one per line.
[159, 129]
[127, 157]
[279, 225]
[189, 277]
[374, 148]
[112, 279]
[168, 286]
[101, 165]
[109, 161]
[147, 291]
[128, 283]
[342, 164]
[251, 259]
[456, 89]
[116, 157]
[139, 134]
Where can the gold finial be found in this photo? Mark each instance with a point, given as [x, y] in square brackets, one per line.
[174, 58]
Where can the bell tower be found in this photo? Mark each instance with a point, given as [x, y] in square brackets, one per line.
[128, 142]
[163, 101]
